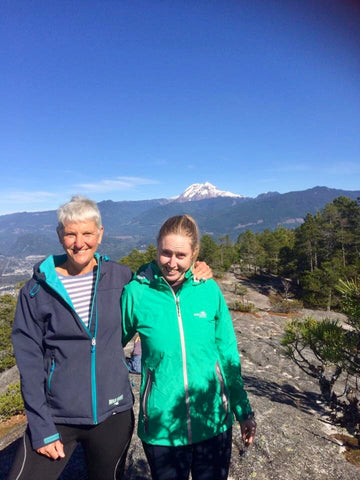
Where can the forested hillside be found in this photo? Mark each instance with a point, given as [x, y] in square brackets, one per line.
[315, 255]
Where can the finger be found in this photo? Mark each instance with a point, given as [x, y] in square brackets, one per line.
[248, 437]
[248, 442]
[43, 451]
[51, 450]
[47, 454]
[60, 449]
[53, 453]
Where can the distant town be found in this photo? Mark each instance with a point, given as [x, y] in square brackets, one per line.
[14, 270]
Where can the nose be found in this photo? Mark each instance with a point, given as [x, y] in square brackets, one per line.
[172, 261]
[79, 241]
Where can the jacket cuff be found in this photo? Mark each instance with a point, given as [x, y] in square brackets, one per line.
[38, 443]
[243, 414]
[247, 416]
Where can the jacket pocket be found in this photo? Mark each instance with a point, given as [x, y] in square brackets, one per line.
[51, 373]
[224, 397]
[145, 398]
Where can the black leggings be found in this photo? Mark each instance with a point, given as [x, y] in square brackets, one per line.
[207, 460]
[105, 446]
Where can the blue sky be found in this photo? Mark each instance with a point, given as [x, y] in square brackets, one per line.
[136, 99]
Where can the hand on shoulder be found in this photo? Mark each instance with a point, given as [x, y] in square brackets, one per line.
[202, 271]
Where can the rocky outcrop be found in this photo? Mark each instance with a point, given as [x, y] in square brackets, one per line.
[294, 437]
[9, 376]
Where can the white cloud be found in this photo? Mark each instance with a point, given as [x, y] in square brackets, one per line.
[16, 201]
[22, 196]
[116, 184]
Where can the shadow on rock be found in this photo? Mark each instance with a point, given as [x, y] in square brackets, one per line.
[305, 401]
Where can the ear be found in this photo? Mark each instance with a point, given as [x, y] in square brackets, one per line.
[101, 233]
[195, 254]
[60, 235]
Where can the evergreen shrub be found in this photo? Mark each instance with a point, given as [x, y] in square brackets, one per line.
[11, 402]
[242, 306]
[283, 305]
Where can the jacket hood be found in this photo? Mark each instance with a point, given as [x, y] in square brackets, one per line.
[44, 272]
[45, 269]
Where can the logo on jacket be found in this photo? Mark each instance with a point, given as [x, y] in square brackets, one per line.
[200, 314]
[115, 401]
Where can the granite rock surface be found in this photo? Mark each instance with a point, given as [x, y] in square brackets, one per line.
[294, 434]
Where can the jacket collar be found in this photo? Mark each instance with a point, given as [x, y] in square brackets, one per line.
[45, 272]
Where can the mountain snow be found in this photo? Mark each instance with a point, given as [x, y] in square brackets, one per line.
[200, 191]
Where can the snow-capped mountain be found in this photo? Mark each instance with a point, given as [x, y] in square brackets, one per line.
[200, 191]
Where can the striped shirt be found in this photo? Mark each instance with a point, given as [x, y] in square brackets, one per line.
[80, 289]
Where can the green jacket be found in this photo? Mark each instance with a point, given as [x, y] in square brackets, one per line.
[191, 375]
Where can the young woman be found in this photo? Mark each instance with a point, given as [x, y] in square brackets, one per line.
[191, 377]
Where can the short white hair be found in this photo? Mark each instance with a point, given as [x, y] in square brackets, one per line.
[79, 209]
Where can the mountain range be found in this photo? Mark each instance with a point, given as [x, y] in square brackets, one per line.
[130, 224]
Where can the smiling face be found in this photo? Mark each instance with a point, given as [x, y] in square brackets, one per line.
[174, 257]
[80, 241]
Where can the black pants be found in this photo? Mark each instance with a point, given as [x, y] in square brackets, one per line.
[105, 446]
[207, 460]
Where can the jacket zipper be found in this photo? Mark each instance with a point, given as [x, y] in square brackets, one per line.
[52, 368]
[224, 399]
[185, 374]
[92, 339]
[93, 346]
[147, 389]
[93, 379]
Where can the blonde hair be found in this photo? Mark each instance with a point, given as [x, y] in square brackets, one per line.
[181, 225]
[79, 209]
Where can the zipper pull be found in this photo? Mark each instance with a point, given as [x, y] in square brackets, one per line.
[177, 305]
[93, 344]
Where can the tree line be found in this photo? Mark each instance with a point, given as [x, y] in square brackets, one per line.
[315, 255]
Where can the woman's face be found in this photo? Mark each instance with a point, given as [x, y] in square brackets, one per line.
[174, 257]
[80, 241]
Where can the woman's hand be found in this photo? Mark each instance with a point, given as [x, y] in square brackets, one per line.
[248, 429]
[202, 271]
[53, 450]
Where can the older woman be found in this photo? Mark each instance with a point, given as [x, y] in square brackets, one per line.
[67, 342]
[191, 378]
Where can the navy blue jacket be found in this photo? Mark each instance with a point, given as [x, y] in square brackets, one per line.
[70, 374]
